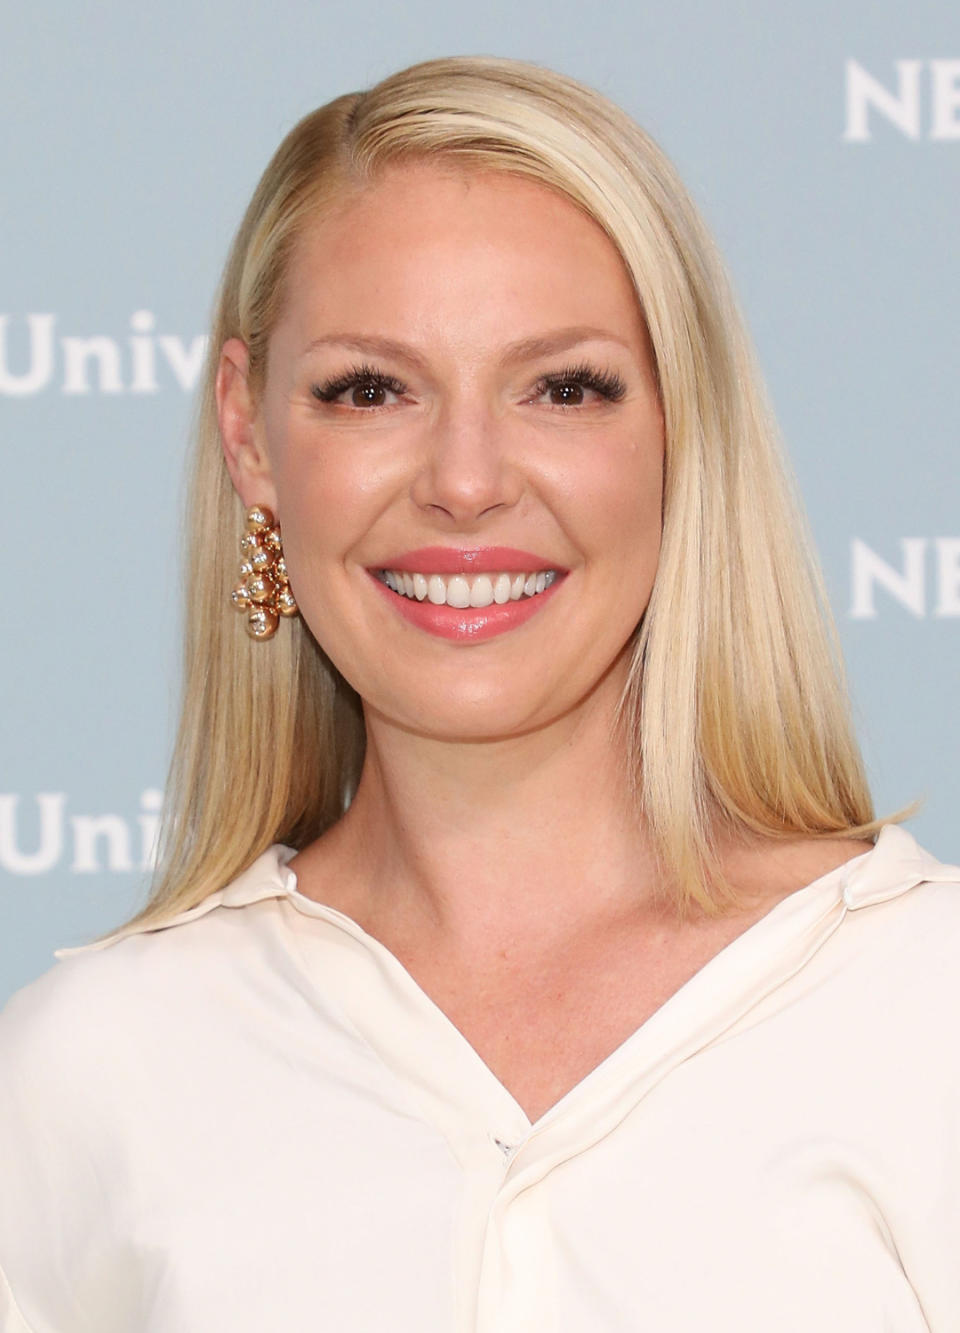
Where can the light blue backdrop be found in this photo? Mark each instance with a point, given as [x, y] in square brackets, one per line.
[822, 142]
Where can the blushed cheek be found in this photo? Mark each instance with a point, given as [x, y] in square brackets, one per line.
[632, 517]
[307, 491]
[323, 524]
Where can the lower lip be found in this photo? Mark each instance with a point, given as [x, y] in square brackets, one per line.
[468, 624]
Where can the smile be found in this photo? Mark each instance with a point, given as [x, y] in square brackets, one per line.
[464, 608]
[462, 591]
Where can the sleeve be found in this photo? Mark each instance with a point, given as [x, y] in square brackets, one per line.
[49, 1137]
[11, 1320]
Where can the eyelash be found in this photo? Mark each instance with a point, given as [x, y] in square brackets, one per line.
[608, 384]
[364, 374]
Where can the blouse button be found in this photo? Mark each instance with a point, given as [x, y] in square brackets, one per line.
[508, 1149]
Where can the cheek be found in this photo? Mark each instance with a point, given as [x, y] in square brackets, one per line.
[622, 504]
[324, 488]
[319, 521]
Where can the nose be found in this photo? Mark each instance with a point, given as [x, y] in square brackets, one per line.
[467, 469]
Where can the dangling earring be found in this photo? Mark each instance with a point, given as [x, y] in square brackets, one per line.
[264, 591]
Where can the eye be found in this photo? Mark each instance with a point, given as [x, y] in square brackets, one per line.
[370, 387]
[567, 387]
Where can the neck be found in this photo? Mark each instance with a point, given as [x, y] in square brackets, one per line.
[485, 839]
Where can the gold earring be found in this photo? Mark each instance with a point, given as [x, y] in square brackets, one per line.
[264, 590]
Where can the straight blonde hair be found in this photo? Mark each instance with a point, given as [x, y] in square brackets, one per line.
[735, 712]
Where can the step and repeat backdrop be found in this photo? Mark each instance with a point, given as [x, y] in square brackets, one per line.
[822, 142]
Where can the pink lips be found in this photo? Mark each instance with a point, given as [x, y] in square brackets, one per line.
[467, 624]
[476, 560]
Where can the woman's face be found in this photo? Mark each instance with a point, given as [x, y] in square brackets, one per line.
[461, 365]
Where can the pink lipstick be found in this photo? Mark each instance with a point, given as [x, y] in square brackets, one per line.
[466, 624]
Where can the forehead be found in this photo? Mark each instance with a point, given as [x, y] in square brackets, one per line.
[442, 236]
[433, 190]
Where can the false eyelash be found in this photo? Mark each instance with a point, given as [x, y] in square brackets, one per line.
[364, 374]
[606, 383]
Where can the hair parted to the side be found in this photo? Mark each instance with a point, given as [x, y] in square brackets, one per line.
[735, 709]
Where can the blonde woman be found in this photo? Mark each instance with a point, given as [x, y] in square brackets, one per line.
[525, 953]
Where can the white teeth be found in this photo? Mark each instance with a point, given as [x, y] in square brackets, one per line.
[481, 594]
[477, 590]
[458, 591]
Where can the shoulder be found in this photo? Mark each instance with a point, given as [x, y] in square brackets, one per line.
[92, 1016]
[83, 1004]
[71, 1043]
[892, 953]
[893, 968]
[915, 934]
[84, 1067]
[149, 977]
[903, 900]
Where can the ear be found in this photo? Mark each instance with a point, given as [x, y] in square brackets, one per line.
[241, 429]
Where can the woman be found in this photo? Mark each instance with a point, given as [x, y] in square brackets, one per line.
[525, 953]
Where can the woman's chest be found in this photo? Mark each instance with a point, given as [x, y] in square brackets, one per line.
[542, 1023]
[747, 1159]
[739, 1192]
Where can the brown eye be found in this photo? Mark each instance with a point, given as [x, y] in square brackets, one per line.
[370, 394]
[367, 387]
[566, 395]
[568, 387]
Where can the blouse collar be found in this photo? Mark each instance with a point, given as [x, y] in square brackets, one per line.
[894, 865]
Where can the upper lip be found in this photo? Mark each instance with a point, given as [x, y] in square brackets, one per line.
[472, 560]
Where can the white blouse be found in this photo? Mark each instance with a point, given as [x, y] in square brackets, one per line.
[254, 1119]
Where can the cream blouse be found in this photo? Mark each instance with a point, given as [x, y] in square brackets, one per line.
[254, 1119]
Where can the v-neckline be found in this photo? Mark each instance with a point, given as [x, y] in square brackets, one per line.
[431, 1034]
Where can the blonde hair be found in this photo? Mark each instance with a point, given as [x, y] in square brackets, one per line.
[735, 712]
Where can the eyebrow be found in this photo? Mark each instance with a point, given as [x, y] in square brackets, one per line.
[560, 340]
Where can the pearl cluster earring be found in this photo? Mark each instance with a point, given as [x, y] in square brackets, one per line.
[264, 588]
